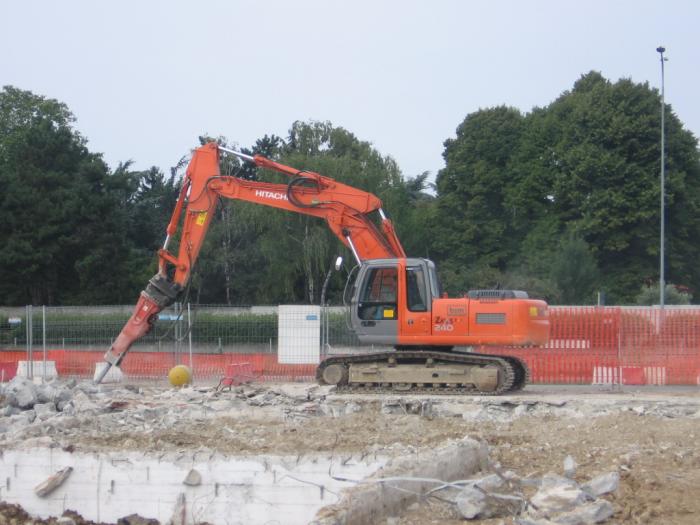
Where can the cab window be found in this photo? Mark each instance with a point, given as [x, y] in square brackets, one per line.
[416, 289]
[378, 297]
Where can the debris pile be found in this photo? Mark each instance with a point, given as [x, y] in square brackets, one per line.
[14, 514]
[557, 500]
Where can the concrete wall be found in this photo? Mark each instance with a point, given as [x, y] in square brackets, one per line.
[239, 490]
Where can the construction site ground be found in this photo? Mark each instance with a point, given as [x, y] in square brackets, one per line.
[649, 435]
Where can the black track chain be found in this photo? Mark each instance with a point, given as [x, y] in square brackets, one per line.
[514, 373]
[522, 371]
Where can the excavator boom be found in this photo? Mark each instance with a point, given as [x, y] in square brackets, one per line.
[345, 209]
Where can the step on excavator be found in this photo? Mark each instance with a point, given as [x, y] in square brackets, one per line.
[394, 300]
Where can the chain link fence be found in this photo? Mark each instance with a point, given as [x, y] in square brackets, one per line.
[605, 345]
[207, 338]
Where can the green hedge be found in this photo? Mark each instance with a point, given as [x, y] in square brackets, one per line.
[207, 328]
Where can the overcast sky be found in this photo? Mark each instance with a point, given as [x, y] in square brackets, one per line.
[145, 78]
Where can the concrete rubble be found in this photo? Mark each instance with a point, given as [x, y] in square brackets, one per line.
[603, 484]
[64, 414]
[27, 407]
[558, 500]
[474, 502]
[570, 466]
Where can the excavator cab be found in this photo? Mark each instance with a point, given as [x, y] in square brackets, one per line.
[390, 294]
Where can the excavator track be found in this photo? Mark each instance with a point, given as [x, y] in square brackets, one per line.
[422, 371]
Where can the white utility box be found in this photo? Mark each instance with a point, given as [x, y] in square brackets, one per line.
[299, 333]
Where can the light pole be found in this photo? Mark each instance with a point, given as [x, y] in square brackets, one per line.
[662, 282]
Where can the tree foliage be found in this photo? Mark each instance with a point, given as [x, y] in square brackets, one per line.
[67, 225]
[649, 295]
[587, 163]
[562, 201]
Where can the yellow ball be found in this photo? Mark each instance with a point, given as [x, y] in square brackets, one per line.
[180, 375]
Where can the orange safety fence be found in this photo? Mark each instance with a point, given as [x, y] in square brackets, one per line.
[588, 345]
[612, 345]
[155, 365]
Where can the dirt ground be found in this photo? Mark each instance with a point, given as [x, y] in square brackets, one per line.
[649, 437]
[658, 460]
[351, 433]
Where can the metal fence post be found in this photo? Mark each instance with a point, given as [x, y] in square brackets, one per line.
[30, 350]
[176, 333]
[328, 332]
[322, 342]
[189, 335]
[43, 341]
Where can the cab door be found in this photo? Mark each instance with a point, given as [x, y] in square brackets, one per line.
[375, 313]
[416, 296]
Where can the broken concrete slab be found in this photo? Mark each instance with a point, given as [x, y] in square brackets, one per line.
[558, 499]
[44, 411]
[586, 514]
[11, 410]
[82, 402]
[471, 503]
[193, 478]
[475, 503]
[21, 392]
[374, 498]
[54, 481]
[489, 483]
[603, 484]
[551, 480]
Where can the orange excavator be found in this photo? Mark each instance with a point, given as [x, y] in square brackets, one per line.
[394, 300]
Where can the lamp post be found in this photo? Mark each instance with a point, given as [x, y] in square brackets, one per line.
[662, 282]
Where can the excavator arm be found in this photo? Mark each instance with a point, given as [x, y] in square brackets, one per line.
[345, 209]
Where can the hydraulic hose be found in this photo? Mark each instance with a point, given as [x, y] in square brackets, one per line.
[299, 181]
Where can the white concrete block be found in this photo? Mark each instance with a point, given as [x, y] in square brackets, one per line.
[37, 369]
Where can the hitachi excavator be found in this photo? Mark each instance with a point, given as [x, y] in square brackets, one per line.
[394, 300]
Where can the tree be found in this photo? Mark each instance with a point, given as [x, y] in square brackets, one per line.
[599, 154]
[649, 295]
[60, 227]
[472, 221]
[308, 246]
[514, 185]
[574, 271]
